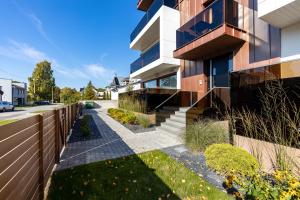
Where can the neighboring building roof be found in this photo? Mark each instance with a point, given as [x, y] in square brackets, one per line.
[117, 81]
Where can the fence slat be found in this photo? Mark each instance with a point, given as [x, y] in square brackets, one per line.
[29, 149]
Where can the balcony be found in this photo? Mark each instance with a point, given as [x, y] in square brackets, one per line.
[217, 29]
[146, 58]
[155, 61]
[153, 9]
[280, 13]
[144, 4]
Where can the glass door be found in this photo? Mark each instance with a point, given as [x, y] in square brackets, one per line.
[218, 70]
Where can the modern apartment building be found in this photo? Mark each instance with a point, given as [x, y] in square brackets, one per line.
[228, 49]
[13, 91]
[155, 38]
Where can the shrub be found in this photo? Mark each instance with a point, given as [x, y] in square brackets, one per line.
[143, 121]
[84, 126]
[200, 135]
[122, 116]
[279, 185]
[129, 118]
[225, 158]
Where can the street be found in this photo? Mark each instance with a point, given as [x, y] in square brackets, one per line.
[23, 112]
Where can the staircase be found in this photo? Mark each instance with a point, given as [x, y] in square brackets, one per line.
[175, 123]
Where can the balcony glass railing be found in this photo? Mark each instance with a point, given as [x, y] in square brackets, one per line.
[215, 15]
[156, 5]
[146, 58]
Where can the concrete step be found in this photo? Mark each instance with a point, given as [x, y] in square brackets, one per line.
[180, 113]
[175, 124]
[169, 130]
[180, 119]
[184, 109]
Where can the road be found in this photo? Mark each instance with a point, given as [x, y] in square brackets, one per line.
[25, 112]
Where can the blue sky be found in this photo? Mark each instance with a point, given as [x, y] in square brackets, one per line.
[84, 39]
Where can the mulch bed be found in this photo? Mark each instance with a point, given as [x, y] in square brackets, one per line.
[139, 128]
[76, 135]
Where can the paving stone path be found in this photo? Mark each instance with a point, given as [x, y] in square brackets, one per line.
[116, 141]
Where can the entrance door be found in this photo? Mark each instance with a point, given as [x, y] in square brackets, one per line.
[217, 71]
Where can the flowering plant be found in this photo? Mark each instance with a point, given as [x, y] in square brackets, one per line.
[281, 185]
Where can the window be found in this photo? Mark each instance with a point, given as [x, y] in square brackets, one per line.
[168, 82]
[150, 84]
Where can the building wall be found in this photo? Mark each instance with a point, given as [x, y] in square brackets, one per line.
[7, 89]
[290, 40]
[261, 47]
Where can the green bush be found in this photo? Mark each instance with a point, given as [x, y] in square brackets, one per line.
[225, 159]
[200, 135]
[84, 126]
[128, 118]
[122, 116]
[143, 121]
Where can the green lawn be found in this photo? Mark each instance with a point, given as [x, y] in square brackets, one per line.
[39, 111]
[151, 175]
[4, 122]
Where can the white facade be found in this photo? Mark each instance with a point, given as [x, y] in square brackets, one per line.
[284, 14]
[290, 43]
[13, 92]
[161, 28]
[135, 86]
[6, 85]
[280, 13]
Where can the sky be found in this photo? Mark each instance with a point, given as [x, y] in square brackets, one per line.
[83, 39]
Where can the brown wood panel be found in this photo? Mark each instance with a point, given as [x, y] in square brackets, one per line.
[17, 140]
[29, 150]
[18, 174]
[17, 153]
[13, 128]
[27, 185]
[9, 172]
[48, 114]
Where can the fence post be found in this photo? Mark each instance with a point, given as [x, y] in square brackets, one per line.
[41, 155]
[57, 124]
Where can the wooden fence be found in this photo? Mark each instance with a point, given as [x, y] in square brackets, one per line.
[30, 148]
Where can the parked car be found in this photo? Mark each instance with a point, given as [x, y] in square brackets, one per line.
[39, 103]
[5, 106]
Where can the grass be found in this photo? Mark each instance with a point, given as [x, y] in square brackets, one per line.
[39, 111]
[201, 134]
[4, 122]
[151, 175]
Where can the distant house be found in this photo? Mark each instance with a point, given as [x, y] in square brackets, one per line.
[13, 91]
[120, 85]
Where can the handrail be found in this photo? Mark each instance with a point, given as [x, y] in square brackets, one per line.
[167, 99]
[204, 96]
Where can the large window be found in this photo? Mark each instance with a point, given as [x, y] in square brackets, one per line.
[168, 82]
[150, 84]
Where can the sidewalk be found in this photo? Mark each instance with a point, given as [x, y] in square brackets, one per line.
[116, 141]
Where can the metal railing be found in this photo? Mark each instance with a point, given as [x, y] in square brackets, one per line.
[155, 6]
[146, 58]
[215, 15]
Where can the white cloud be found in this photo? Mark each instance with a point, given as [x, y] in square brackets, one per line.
[22, 51]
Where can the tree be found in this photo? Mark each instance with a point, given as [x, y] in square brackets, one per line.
[41, 82]
[69, 95]
[56, 94]
[89, 92]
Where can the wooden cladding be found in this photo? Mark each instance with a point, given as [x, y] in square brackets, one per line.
[30, 148]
